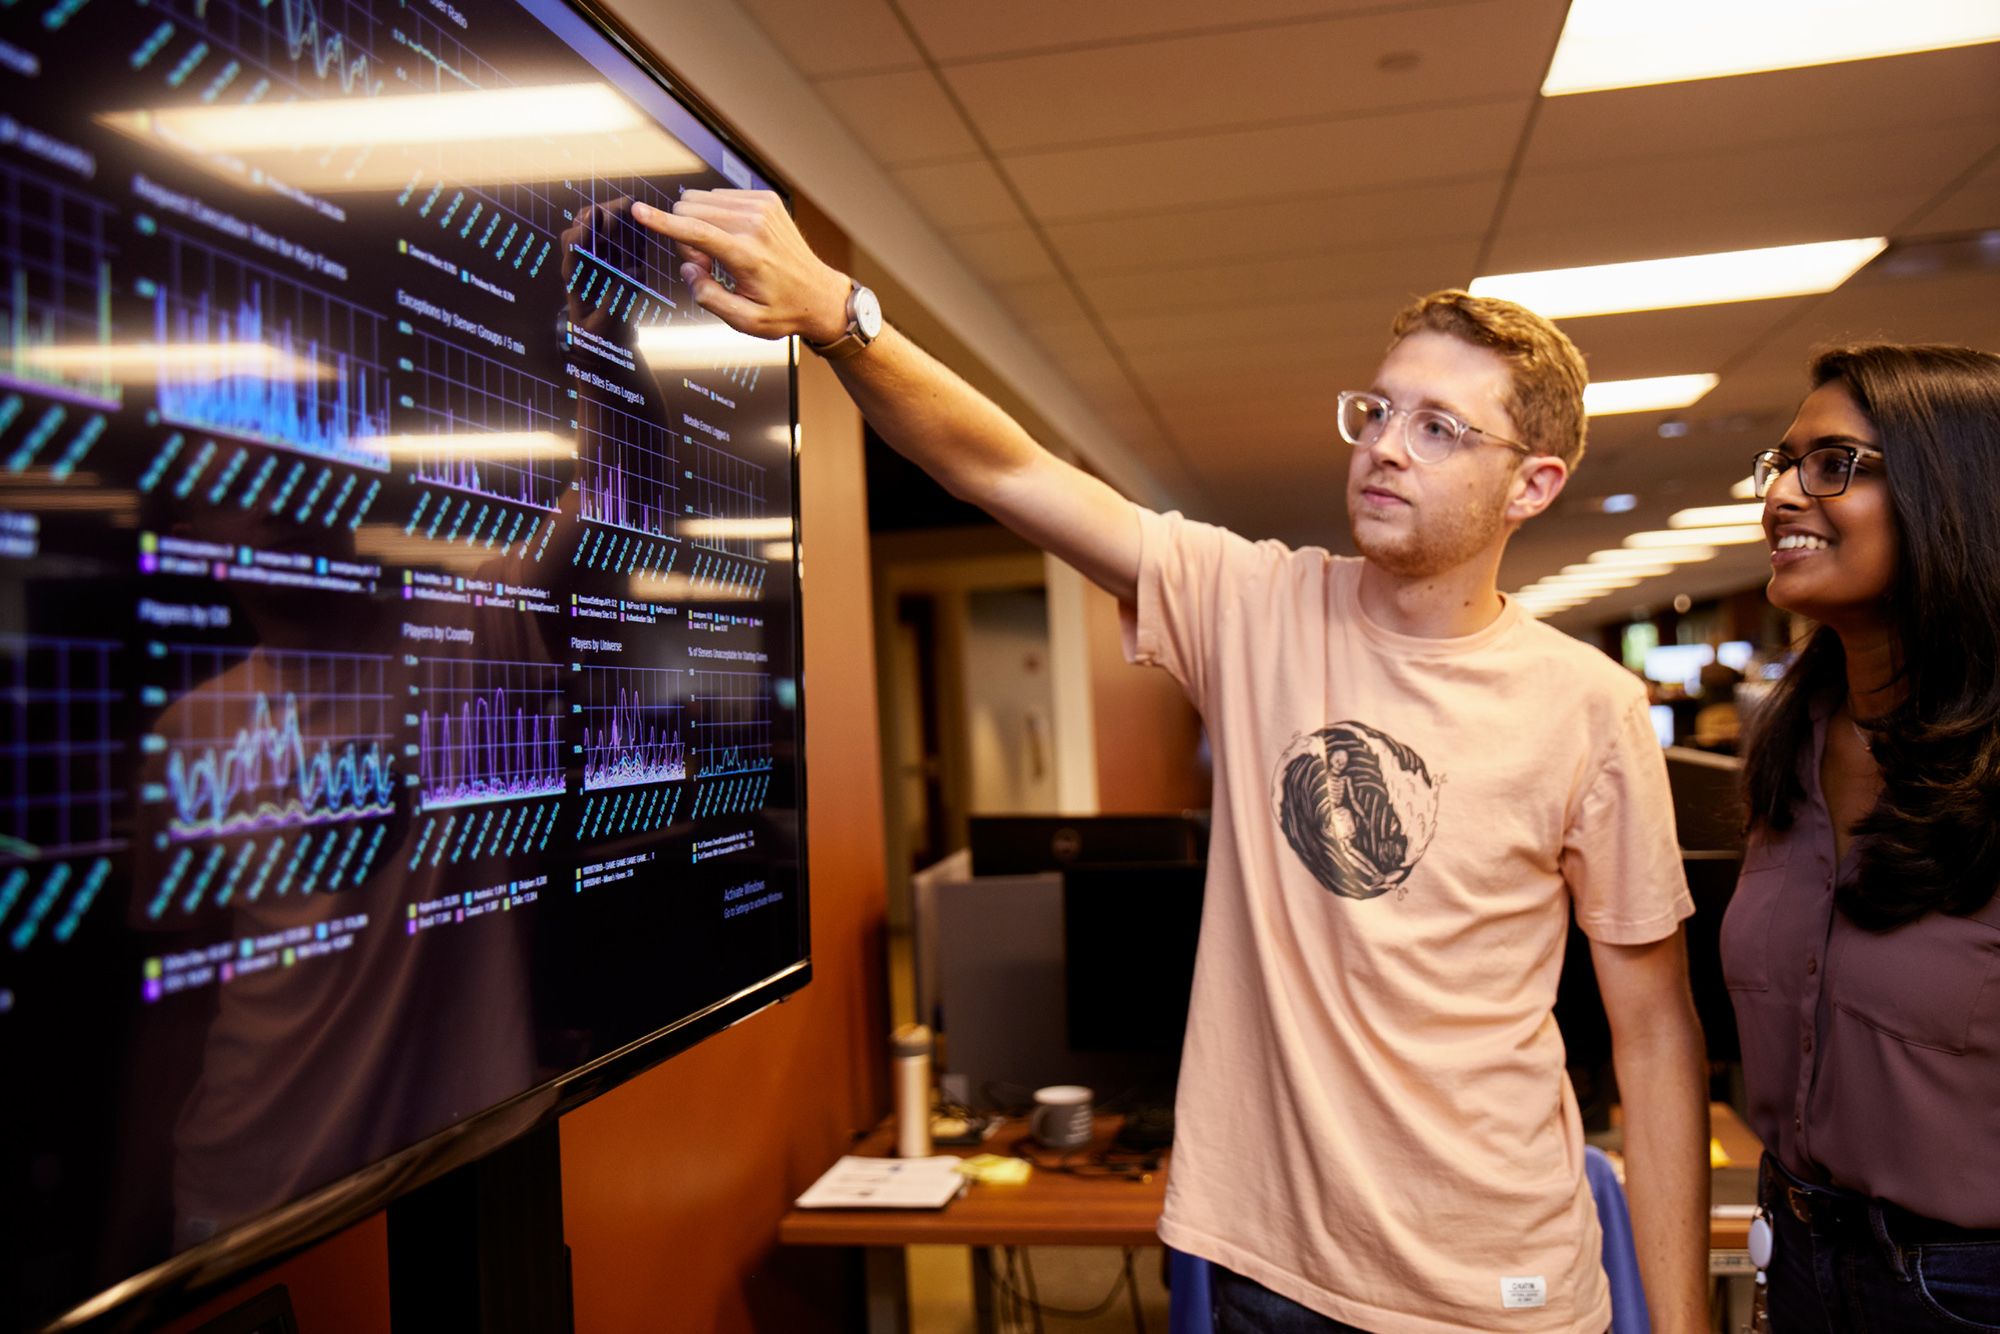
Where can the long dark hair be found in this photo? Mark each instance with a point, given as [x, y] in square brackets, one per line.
[1933, 838]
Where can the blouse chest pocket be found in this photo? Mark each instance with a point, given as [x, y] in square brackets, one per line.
[1933, 983]
[1746, 922]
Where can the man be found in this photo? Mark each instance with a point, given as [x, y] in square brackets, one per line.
[1414, 783]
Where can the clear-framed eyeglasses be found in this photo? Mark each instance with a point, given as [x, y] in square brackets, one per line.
[1823, 472]
[1430, 434]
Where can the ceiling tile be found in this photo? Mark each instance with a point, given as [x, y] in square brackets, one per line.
[1970, 207]
[1394, 273]
[1828, 103]
[1251, 166]
[1240, 327]
[1041, 301]
[1005, 254]
[1301, 71]
[900, 118]
[1770, 194]
[954, 30]
[1677, 342]
[823, 37]
[958, 196]
[1278, 225]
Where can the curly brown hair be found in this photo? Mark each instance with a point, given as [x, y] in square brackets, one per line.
[1546, 396]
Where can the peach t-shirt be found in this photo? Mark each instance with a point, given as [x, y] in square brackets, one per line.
[1373, 1117]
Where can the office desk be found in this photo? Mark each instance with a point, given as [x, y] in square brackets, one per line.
[1055, 1209]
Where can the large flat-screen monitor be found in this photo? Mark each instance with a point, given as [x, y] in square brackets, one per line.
[400, 738]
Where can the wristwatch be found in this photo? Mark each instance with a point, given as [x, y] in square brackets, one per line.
[864, 326]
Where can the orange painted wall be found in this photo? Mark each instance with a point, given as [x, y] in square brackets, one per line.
[673, 1183]
[1148, 734]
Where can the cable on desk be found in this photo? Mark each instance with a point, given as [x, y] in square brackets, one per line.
[1020, 1274]
[1122, 1164]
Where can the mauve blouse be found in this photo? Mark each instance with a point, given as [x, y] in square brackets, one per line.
[1871, 1059]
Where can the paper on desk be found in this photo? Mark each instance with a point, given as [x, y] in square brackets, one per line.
[885, 1183]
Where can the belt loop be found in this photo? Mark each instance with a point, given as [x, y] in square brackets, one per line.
[1891, 1251]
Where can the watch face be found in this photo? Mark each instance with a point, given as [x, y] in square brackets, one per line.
[867, 313]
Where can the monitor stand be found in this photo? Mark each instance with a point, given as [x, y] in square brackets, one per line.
[480, 1250]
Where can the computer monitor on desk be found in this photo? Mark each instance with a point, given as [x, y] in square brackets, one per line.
[1076, 973]
[1025, 844]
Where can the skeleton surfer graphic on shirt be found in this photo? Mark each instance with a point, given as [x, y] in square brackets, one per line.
[1357, 806]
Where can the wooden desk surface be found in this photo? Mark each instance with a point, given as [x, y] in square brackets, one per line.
[1048, 1209]
[1055, 1209]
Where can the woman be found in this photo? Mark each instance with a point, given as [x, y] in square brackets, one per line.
[1862, 948]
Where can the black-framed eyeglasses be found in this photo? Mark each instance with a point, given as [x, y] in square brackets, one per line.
[1823, 472]
[1430, 434]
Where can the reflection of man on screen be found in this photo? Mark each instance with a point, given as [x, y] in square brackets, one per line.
[318, 1065]
[1372, 1124]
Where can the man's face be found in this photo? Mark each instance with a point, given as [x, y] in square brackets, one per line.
[1418, 519]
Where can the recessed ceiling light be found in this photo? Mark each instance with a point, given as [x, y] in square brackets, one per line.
[1681, 555]
[1659, 393]
[1744, 490]
[1685, 280]
[1709, 516]
[1715, 535]
[1617, 44]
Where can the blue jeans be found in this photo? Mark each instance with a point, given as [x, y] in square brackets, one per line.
[1240, 1306]
[1845, 1264]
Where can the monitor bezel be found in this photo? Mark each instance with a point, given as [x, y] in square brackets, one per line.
[183, 1281]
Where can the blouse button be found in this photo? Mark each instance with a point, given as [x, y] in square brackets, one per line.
[1805, 1044]
[1812, 965]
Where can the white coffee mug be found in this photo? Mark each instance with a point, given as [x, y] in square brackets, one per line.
[1061, 1119]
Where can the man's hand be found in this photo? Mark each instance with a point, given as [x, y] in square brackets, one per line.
[779, 286]
[776, 286]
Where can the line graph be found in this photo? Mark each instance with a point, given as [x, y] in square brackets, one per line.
[727, 493]
[732, 723]
[628, 472]
[460, 395]
[61, 748]
[489, 730]
[322, 391]
[58, 257]
[270, 739]
[632, 726]
[311, 45]
[329, 50]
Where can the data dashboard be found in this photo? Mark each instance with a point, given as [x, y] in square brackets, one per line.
[398, 602]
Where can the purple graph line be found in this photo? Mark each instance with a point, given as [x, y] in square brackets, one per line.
[329, 52]
[266, 767]
[630, 750]
[461, 472]
[487, 753]
[607, 501]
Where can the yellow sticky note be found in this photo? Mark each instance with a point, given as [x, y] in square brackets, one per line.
[995, 1170]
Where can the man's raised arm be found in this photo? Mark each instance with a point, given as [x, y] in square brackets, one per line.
[936, 420]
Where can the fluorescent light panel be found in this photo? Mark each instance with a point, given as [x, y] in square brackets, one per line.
[1729, 535]
[1680, 555]
[1620, 44]
[1658, 393]
[1712, 516]
[1602, 576]
[1684, 280]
